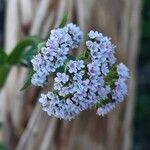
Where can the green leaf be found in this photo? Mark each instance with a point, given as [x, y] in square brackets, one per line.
[111, 77]
[40, 45]
[27, 82]
[102, 102]
[17, 52]
[20, 57]
[84, 55]
[145, 29]
[70, 57]
[29, 53]
[27, 56]
[3, 57]
[3, 146]
[4, 70]
[64, 20]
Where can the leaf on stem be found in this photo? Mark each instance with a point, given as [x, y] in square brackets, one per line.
[17, 52]
[84, 55]
[27, 82]
[64, 20]
[4, 70]
[3, 57]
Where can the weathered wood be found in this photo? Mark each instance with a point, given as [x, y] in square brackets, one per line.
[41, 12]
[26, 17]
[9, 98]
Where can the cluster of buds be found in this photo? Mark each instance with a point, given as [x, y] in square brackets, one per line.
[95, 79]
[53, 55]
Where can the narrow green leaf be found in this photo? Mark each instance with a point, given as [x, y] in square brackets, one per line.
[28, 54]
[111, 77]
[64, 20]
[3, 57]
[84, 55]
[40, 45]
[70, 57]
[27, 82]
[4, 70]
[17, 52]
[3, 146]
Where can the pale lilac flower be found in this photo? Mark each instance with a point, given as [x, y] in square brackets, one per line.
[105, 109]
[57, 86]
[53, 55]
[61, 77]
[101, 49]
[82, 84]
[80, 64]
[38, 80]
[76, 34]
[43, 100]
[103, 92]
[93, 69]
[93, 34]
[78, 76]
[119, 92]
[123, 71]
[104, 69]
[74, 66]
[121, 87]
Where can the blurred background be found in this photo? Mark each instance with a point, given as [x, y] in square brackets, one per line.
[23, 125]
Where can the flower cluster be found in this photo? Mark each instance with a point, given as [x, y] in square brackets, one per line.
[75, 91]
[98, 81]
[53, 55]
[119, 92]
[101, 50]
[102, 53]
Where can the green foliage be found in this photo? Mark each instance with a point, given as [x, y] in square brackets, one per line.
[64, 20]
[27, 56]
[27, 82]
[102, 102]
[146, 29]
[4, 70]
[142, 108]
[142, 111]
[84, 55]
[3, 147]
[4, 67]
[18, 51]
[20, 55]
[3, 57]
[111, 77]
